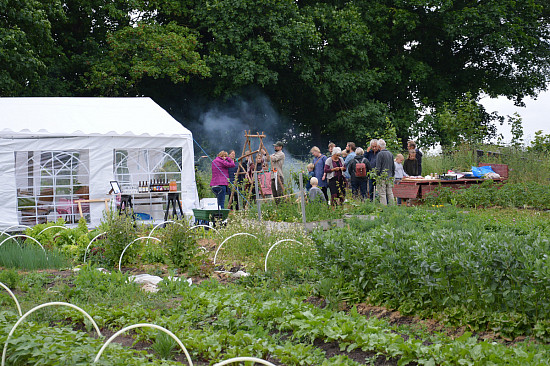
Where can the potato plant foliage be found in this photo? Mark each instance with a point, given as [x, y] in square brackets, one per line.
[446, 264]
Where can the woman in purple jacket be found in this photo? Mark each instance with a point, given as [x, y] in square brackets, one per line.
[220, 174]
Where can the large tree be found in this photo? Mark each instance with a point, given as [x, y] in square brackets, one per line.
[343, 66]
[333, 68]
[26, 45]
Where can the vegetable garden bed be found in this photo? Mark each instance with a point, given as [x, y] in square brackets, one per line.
[436, 264]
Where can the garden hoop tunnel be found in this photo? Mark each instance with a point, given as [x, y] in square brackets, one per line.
[25, 236]
[40, 307]
[273, 246]
[229, 237]
[144, 325]
[240, 359]
[127, 246]
[13, 297]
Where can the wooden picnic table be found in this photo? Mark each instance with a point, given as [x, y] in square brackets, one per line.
[416, 188]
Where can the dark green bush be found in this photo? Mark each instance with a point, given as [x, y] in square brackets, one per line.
[9, 278]
[180, 243]
[120, 231]
[491, 194]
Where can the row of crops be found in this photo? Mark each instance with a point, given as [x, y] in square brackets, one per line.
[217, 322]
[490, 273]
[483, 270]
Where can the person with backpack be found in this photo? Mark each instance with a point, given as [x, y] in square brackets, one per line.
[358, 169]
[351, 150]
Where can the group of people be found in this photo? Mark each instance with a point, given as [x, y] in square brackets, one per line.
[364, 171]
[225, 167]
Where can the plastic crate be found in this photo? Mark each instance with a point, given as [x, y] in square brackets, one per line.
[210, 215]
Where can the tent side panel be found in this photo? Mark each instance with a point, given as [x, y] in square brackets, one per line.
[8, 201]
[101, 173]
[189, 195]
[100, 150]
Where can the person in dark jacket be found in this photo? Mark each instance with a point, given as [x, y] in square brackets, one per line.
[319, 161]
[411, 164]
[385, 169]
[411, 145]
[372, 152]
[358, 184]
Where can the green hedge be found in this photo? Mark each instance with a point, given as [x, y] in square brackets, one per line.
[490, 194]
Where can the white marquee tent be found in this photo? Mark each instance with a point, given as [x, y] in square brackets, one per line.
[55, 151]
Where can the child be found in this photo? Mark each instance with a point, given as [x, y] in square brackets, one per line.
[310, 168]
[315, 193]
[399, 171]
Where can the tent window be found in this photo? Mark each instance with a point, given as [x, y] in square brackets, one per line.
[132, 166]
[138, 165]
[49, 182]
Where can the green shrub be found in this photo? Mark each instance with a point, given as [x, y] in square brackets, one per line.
[489, 194]
[120, 231]
[9, 278]
[181, 244]
[445, 263]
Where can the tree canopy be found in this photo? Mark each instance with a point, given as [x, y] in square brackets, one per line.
[331, 68]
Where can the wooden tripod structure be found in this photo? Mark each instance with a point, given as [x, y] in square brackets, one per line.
[253, 157]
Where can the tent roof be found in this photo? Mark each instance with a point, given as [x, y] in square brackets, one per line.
[63, 117]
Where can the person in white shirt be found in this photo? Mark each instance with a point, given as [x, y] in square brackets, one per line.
[399, 171]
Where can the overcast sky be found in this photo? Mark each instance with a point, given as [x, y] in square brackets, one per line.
[535, 116]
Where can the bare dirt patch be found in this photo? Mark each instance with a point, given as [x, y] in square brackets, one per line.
[333, 349]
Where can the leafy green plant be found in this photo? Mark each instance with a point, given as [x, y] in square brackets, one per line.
[541, 143]
[9, 278]
[120, 231]
[442, 263]
[181, 244]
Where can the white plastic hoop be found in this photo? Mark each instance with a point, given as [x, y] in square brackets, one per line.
[273, 246]
[239, 359]
[40, 307]
[207, 226]
[11, 227]
[141, 326]
[162, 223]
[226, 239]
[25, 236]
[133, 241]
[90, 243]
[51, 227]
[13, 297]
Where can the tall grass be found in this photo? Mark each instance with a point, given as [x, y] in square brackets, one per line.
[30, 257]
